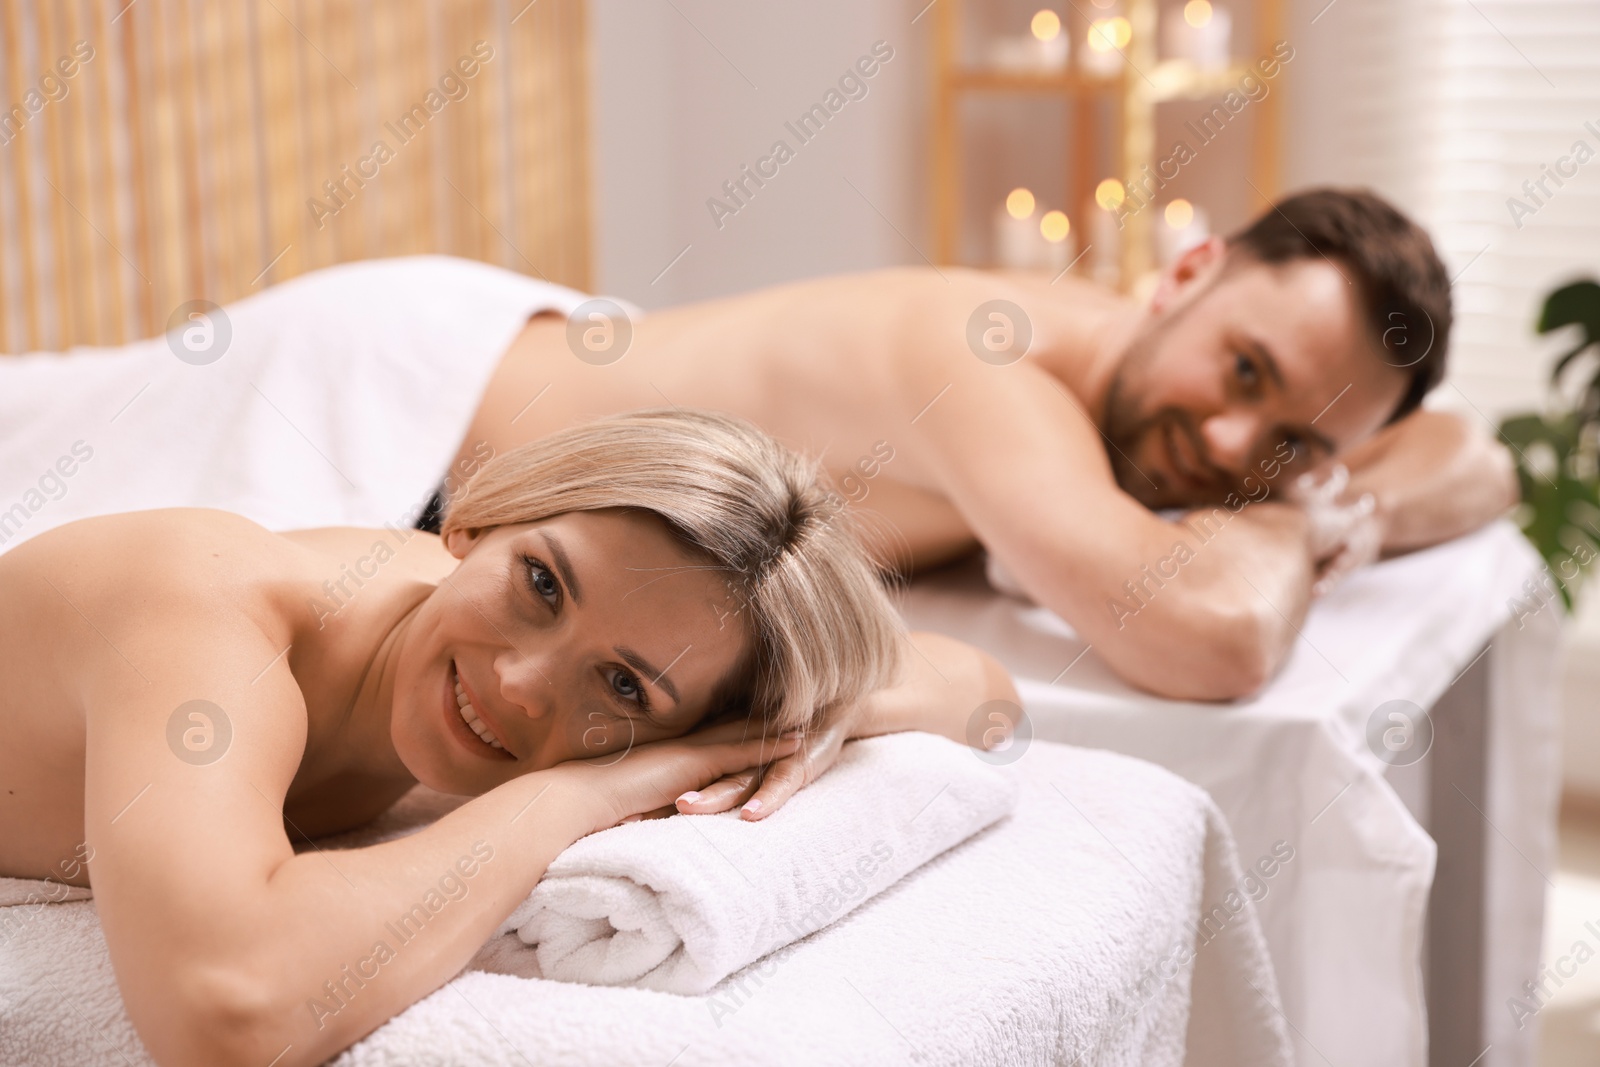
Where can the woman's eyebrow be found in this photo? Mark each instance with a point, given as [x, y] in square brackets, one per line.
[656, 677]
[563, 564]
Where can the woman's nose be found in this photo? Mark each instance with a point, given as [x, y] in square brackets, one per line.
[525, 680]
[1229, 439]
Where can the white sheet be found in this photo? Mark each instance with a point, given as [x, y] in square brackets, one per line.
[1292, 763]
[341, 399]
[1064, 934]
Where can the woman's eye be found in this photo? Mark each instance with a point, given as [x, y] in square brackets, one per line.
[1244, 370]
[1295, 444]
[627, 686]
[541, 581]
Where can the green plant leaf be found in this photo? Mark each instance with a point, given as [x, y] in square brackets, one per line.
[1577, 304]
[1558, 502]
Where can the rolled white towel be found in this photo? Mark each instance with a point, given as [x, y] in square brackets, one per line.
[678, 904]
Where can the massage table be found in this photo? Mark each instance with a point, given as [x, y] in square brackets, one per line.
[1064, 934]
[1417, 902]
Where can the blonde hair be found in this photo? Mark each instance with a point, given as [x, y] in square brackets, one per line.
[822, 631]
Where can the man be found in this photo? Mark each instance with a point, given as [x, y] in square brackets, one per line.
[1046, 421]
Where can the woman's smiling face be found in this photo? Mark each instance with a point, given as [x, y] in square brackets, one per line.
[568, 638]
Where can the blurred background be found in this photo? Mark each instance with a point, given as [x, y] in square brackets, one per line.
[156, 151]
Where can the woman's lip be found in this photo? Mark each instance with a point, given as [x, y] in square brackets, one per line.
[458, 726]
[484, 713]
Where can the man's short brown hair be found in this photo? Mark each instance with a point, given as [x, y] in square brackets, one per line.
[1404, 289]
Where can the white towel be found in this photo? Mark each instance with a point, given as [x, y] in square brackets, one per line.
[340, 400]
[678, 904]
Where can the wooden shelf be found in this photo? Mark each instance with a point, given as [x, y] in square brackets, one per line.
[1134, 97]
[978, 79]
[1175, 79]
[1178, 79]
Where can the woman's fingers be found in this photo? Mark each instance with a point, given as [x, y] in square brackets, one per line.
[785, 777]
[721, 795]
[782, 781]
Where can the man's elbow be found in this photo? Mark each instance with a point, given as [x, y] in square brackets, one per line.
[1251, 662]
[1239, 654]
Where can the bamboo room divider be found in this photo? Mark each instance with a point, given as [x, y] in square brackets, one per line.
[160, 151]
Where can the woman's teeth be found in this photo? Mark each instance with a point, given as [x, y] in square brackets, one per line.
[469, 715]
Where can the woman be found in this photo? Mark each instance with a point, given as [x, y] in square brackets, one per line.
[185, 691]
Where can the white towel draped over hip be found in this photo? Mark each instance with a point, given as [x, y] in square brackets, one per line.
[340, 398]
[678, 904]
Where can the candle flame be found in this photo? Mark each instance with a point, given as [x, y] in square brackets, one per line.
[1106, 34]
[1110, 194]
[1197, 13]
[1019, 203]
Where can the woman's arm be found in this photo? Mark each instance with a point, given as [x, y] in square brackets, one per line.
[229, 948]
[946, 681]
[942, 683]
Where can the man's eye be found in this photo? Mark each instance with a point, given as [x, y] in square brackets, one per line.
[541, 581]
[1295, 444]
[1245, 370]
[626, 686]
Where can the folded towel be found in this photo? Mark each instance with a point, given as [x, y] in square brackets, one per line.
[678, 904]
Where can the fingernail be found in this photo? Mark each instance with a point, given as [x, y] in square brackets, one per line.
[632, 818]
[791, 735]
[689, 798]
[753, 806]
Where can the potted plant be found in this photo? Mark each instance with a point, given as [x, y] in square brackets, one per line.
[1558, 452]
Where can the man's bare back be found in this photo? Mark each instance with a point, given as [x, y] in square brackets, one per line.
[823, 365]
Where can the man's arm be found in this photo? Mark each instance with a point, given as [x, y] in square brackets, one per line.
[1205, 610]
[1434, 477]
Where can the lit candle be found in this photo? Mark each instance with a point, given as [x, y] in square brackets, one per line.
[1016, 238]
[1201, 36]
[1183, 226]
[1050, 43]
[1105, 236]
[1043, 48]
[1106, 39]
[1056, 229]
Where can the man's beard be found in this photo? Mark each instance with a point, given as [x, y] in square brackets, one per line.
[1126, 429]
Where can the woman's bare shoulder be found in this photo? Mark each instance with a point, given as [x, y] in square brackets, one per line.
[143, 559]
[152, 580]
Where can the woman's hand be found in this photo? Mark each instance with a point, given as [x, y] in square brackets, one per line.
[942, 683]
[763, 790]
[650, 777]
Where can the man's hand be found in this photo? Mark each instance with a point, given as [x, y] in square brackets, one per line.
[1343, 535]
